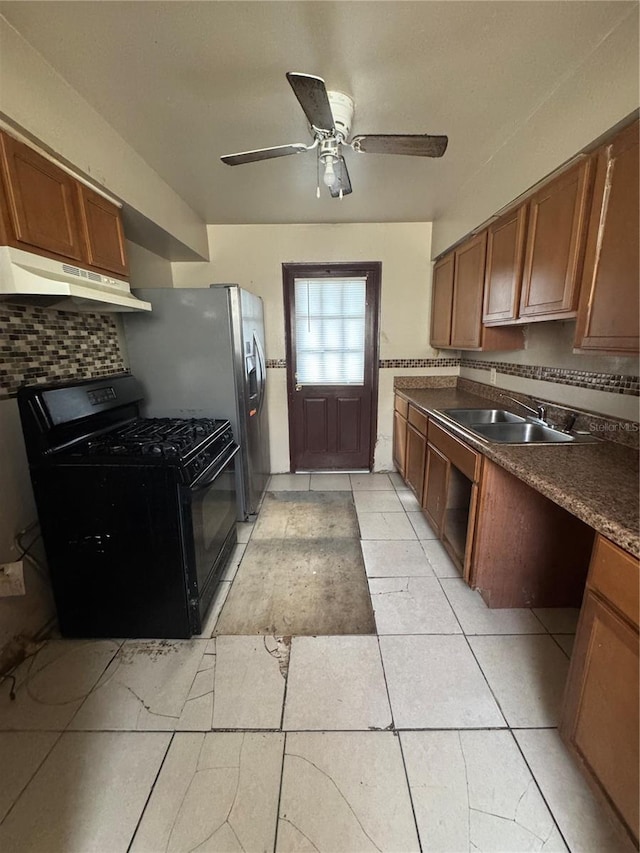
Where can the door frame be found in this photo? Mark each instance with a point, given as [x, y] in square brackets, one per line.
[372, 270]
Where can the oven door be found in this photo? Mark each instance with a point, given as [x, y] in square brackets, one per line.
[210, 520]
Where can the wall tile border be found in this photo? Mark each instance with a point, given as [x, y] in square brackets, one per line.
[390, 363]
[395, 363]
[613, 383]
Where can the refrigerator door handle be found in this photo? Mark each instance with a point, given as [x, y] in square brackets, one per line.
[261, 369]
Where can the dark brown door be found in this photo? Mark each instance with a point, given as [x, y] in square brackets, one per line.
[331, 318]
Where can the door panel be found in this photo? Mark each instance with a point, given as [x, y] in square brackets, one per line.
[332, 364]
[316, 424]
[349, 412]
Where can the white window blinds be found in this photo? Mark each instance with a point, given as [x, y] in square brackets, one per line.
[330, 324]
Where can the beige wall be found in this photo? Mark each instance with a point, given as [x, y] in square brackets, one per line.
[39, 101]
[252, 256]
[601, 92]
[18, 614]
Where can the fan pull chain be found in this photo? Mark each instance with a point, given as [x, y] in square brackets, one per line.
[318, 176]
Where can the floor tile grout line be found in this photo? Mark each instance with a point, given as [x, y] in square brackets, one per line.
[284, 755]
[406, 774]
[286, 687]
[539, 787]
[564, 651]
[34, 774]
[95, 684]
[151, 790]
[250, 730]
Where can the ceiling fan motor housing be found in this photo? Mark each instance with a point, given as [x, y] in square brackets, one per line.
[342, 107]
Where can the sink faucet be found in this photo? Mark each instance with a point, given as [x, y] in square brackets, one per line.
[540, 411]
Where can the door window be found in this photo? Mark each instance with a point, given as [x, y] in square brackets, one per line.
[330, 316]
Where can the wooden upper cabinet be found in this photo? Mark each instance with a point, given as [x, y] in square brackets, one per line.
[503, 273]
[442, 302]
[556, 233]
[104, 235]
[456, 308]
[46, 210]
[42, 202]
[609, 309]
[468, 284]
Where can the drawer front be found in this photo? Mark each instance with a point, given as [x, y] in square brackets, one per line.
[614, 574]
[401, 405]
[418, 420]
[459, 454]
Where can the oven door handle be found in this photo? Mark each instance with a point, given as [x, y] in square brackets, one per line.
[201, 483]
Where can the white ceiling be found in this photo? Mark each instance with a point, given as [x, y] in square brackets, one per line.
[185, 82]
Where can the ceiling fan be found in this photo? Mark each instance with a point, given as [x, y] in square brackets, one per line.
[330, 115]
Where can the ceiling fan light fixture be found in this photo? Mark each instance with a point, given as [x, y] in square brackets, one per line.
[329, 178]
[329, 156]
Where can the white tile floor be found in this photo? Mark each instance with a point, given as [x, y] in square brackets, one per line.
[436, 734]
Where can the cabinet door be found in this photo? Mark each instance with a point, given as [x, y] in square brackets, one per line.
[555, 240]
[503, 274]
[399, 442]
[609, 309]
[415, 461]
[468, 285]
[601, 705]
[436, 487]
[442, 302]
[103, 230]
[42, 201]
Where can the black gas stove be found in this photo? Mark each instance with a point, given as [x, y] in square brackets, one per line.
[191, 445]
[137, 514]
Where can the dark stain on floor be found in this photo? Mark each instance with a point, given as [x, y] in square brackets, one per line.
[302, 572]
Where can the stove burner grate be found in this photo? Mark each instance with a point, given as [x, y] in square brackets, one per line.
[170, 438]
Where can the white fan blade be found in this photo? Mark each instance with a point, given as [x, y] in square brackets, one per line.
[264, 154]
[417, 145]
[312, 96]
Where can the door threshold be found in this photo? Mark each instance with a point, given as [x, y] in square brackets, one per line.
[336, 471]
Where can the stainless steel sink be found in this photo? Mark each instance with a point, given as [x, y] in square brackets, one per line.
[483, 416]
[521, 433]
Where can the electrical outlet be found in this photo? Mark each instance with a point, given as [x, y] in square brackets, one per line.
[493, 376]
[12, 579]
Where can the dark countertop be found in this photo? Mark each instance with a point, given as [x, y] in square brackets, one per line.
[596, 482]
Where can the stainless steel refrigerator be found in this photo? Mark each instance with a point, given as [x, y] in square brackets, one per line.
[200, 353]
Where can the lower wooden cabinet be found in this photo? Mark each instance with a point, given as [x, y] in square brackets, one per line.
[528, 551]
[400, 412]
[450, 493]
[600, 721]
[415, 450]
[435, 487]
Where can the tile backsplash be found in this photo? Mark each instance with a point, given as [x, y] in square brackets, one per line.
[614, 383]
[44, 345]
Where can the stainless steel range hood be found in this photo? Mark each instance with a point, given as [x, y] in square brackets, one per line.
[30, 279]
